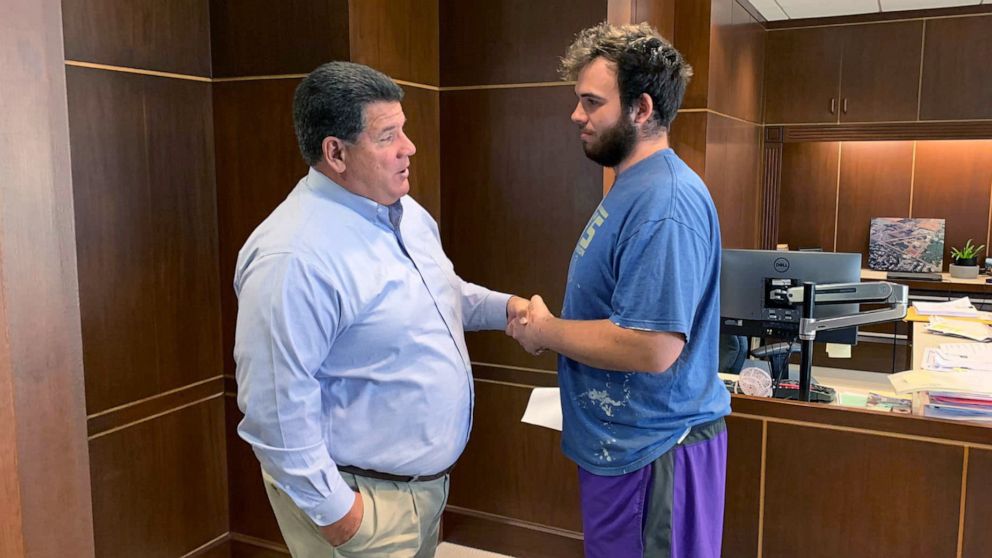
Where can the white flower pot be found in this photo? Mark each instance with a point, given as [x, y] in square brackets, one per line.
[964, 271]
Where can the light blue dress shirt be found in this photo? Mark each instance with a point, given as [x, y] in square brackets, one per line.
[350, 344]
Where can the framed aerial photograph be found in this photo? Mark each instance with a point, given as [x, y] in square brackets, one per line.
[898, 244]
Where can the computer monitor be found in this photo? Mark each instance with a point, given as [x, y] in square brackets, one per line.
[748, 276]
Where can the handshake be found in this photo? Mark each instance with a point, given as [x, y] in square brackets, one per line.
[528, 322]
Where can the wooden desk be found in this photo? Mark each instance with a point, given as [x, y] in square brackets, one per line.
[947, 285]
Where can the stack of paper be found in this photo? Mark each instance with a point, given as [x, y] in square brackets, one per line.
[955, 406]
[960, 307]
[961, 382]
[949, 357]
[960, 328]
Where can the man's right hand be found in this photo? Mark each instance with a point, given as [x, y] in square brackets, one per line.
[342, 530]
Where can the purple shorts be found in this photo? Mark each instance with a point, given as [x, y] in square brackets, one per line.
[672, 508]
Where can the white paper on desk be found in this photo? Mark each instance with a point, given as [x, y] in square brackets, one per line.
[960, 328]
[940, 360]
[544, 408]
[925, 380]
[960, 307]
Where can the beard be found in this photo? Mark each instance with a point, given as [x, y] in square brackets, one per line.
[614, 145]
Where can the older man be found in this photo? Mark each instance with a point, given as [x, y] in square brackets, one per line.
[351, 362]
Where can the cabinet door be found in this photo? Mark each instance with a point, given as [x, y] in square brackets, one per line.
[957, 82]
[880, 74]
[802, 75]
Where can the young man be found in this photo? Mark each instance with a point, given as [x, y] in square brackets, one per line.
[637, 340]
[351, 362]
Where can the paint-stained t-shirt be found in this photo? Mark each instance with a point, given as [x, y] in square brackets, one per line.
[649, 259]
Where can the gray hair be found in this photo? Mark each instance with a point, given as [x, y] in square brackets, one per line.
[331, 102]
[645, 63]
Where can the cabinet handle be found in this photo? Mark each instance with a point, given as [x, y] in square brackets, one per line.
[833, 105]
[845, 106]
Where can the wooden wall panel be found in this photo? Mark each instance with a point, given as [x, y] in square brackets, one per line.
[953, 180]
[423, 125]
[692, 39]
[510, 469]
[737, 62]
[146, 226]
[831, 493]
[44, 482]
[875, 181]
[509, 41]
[743, 494]
[397, 37]
[956, 83]
[733, 163]
[159, 486]
[688, 138]
[977, 535]
[169, 36]
[517, 192]
[250, 511]
[808, 198]
[258, 37]
[258, 163]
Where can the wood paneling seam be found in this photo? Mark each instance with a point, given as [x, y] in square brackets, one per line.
[127, 70]
[870, 123]
[840, 153]
[505, 86]
[881, 21]
[153, 397]
[155, 416]
[509, 367]
[912, 180]
[261, 543]
[499, 382]
[515, 522]
[207, 545]
[964, 497]
[867, 431]
[761, 486]
[718, 113]
[988, 233]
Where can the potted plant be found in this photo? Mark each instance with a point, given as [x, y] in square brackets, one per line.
[965, 264]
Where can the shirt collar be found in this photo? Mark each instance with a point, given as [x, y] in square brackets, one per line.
[319, 183]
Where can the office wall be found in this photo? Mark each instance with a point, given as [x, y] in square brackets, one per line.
[718, 132]
[831, 190]
[146, 241]
[929, 160]
[516, 192]
[44, 462]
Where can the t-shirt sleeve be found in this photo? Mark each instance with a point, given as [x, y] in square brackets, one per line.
[660, 272]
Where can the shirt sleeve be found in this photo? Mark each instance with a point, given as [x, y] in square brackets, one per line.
[288, 316]
[482, 308]
[660, 278]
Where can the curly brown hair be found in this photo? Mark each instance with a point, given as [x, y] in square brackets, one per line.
[644, 62]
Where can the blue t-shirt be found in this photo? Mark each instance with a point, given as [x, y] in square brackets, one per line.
[649, 259]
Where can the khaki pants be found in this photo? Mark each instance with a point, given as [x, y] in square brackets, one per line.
[401, 520]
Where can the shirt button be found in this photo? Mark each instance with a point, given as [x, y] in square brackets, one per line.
[320, 517]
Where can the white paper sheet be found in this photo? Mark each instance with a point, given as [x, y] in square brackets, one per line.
[544, 409]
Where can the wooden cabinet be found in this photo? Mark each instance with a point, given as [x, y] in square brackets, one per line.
[957, 83]
[854, 73]
[802, 75]
[880, 72]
